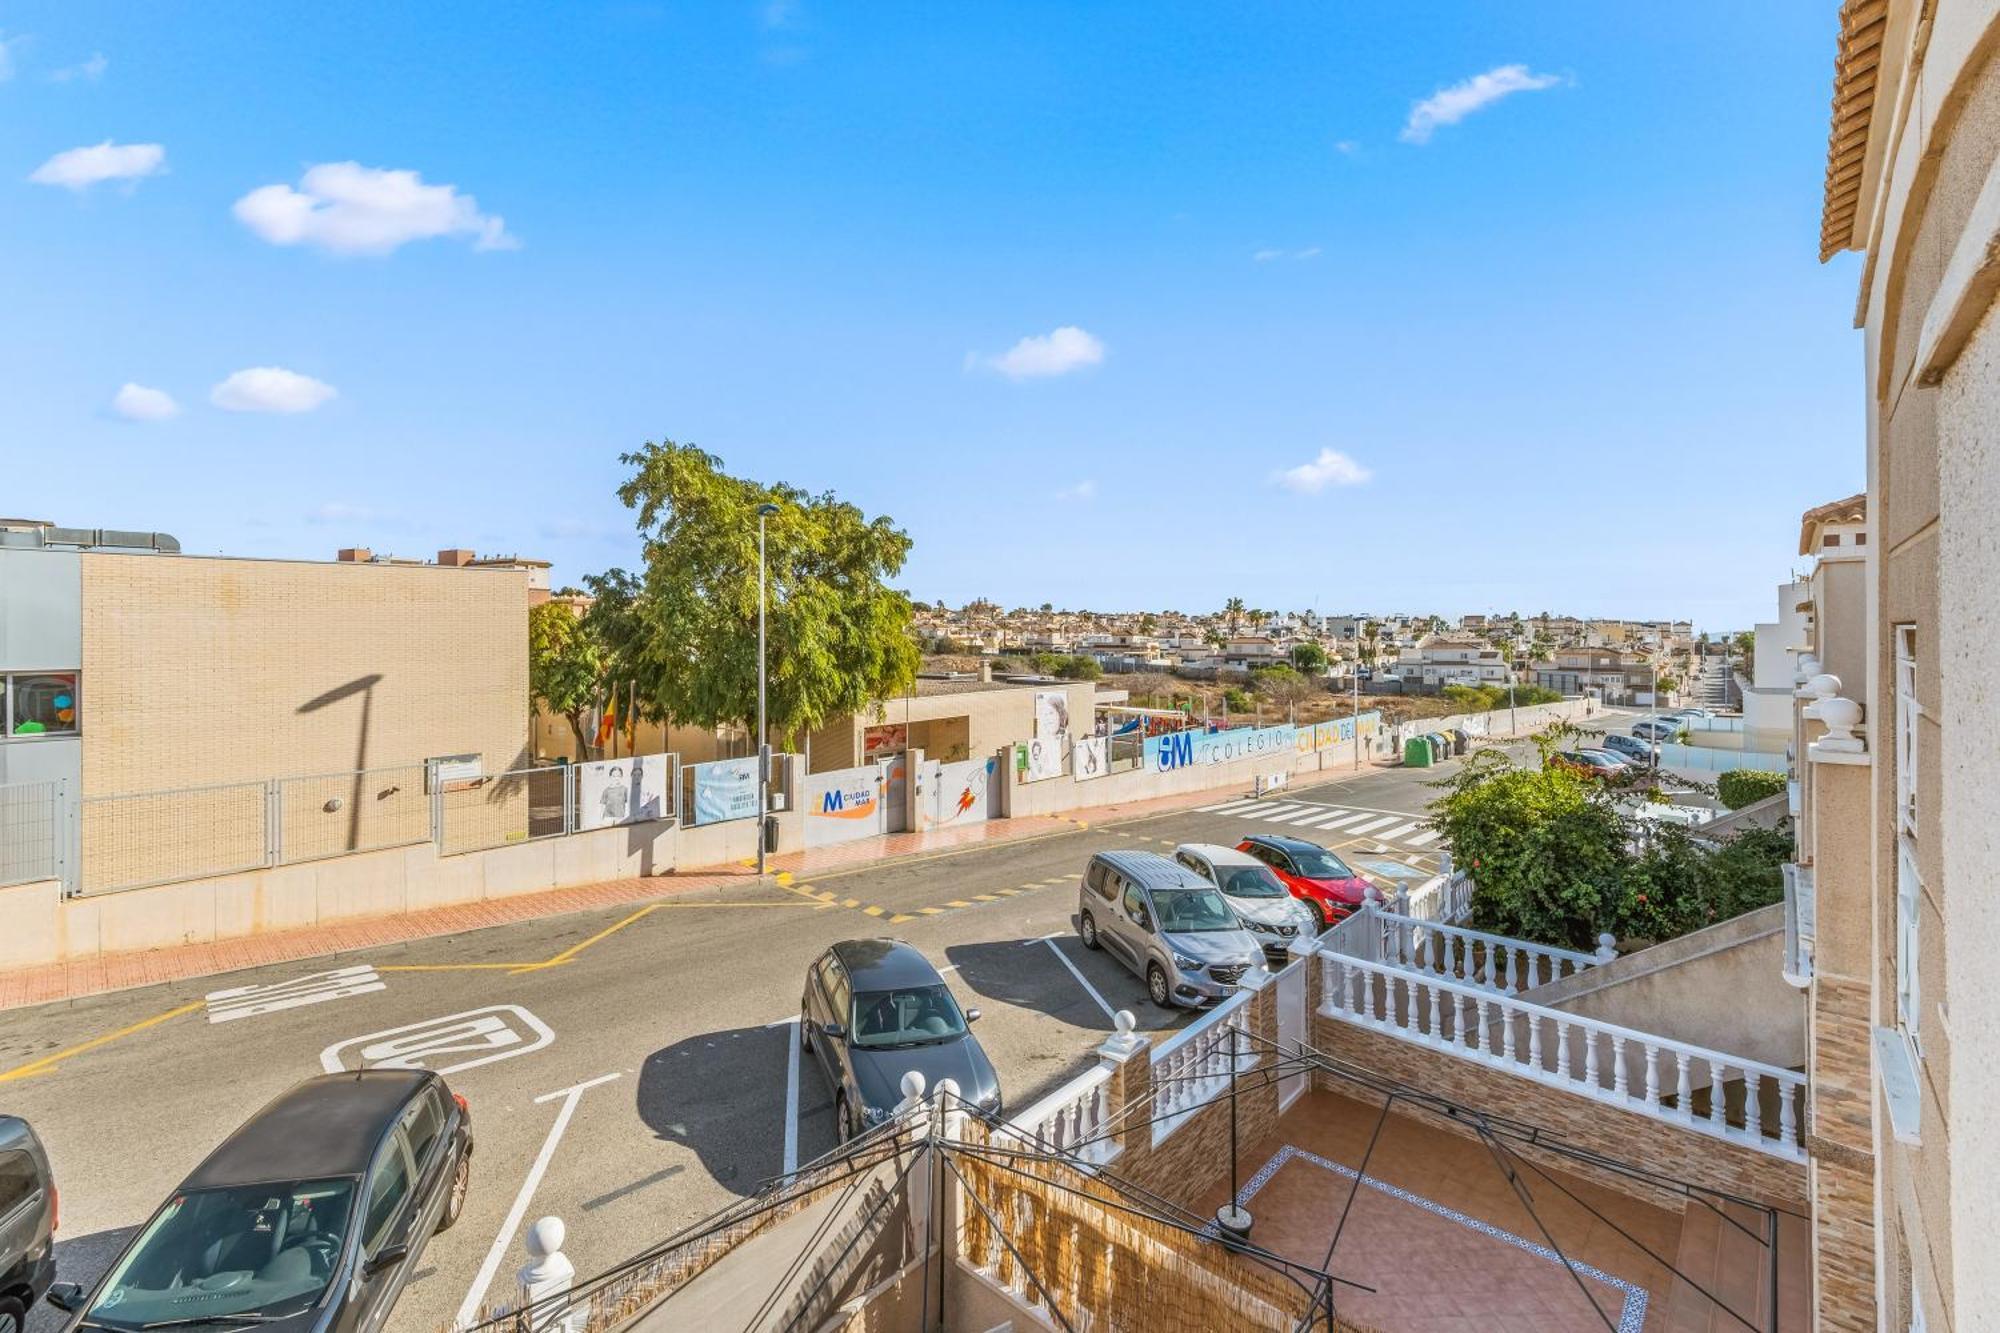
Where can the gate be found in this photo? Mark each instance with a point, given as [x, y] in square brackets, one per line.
[1291, 984]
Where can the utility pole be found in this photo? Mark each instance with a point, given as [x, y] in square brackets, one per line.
[764, 511]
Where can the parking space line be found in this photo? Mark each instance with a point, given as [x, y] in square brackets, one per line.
[578, 948]
[475, 1296]
[1081, 980]
[792, 1036]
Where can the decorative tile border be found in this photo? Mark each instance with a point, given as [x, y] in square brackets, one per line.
[1630, 1320]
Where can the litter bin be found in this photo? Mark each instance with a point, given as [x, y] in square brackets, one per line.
[1440, 747]
[1417, 752]
[1460, 741]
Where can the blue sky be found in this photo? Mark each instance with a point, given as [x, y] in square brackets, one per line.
[1071, 291]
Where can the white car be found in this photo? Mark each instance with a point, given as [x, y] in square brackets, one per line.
[1260, 899]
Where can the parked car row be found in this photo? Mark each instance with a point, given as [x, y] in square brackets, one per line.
[313, 1214]
[1191, 926]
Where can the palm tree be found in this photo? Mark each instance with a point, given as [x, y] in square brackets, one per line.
[1370, 632]
[1233, 609]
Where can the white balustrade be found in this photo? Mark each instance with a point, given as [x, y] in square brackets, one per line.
[1509, 1032]
[1191, 1068]
[1456, 953]
[1074, 1119]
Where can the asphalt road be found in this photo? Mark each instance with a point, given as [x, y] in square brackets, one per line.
[666, 1030]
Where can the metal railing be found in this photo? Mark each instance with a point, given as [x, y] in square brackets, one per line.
[336, 814]
[1645, 1074]
[138, 839]
[156, 837]
[30, 832]
[500, 809]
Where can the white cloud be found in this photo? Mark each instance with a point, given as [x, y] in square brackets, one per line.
[270, 389]
[1267, 256]
[1448, 106]
[1041, 355]
[1331, 468]
[1347, 147]
[90, 71]
[136, 402]
[355, 210]
[1083, 490]
[81, 168]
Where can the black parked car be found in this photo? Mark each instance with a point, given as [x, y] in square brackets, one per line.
[873, 1011]
[311, 1216]
[27, 1222]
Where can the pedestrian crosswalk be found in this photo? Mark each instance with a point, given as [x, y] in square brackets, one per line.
[1412, 831]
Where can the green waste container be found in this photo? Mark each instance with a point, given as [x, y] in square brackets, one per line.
[1417, 752]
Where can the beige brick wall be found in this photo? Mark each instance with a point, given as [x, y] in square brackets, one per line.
[203, 672]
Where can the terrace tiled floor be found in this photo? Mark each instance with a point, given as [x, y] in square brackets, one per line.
[1444, 1241]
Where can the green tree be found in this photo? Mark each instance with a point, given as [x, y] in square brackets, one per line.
[1743, 786]
[840, 637]
[1079, 667]
[1232, 610]
[1284, 687]
[566, 666]
[1309, 658]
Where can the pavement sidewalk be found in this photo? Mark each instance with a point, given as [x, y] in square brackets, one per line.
[111, 972]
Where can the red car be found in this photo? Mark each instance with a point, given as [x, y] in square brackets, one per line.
[1318, 878]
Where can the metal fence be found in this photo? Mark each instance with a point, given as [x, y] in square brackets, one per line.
[520, 806]
[30, 832]
[335, 814]
[138, 839]
[156, 837]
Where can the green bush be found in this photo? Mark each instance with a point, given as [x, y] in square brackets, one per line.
[1744, 786]
[1488, 698]
[1080, 668]
[1555, 861]
[1238, 700]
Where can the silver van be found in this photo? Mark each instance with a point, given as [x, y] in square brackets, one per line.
[27, 1222]
[1166, 923]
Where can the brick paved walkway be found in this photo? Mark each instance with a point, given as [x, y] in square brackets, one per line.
[109, 972]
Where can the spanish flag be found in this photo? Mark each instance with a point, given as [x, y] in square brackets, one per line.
[607, 726]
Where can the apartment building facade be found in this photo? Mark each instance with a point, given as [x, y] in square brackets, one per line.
[1913, 185]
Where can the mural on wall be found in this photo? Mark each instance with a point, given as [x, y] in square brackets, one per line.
[883, 741]
[623, 791]
[1091, 758]
[953, 794]
[846, 804]
[1051, 714]
[1189, 749]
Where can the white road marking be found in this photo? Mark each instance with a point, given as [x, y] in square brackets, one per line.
[1081, 980]
[1228, 807]
[1325, 821]
[319, 987]
[1342, 817]
[1273, 810]
[1425, 839]
[1402, 832]
[792, 1096]
[502, 1031]
[476, 1294]
[1301, 817]
[1374, 824]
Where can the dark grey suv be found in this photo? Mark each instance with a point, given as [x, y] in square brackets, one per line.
[27, 1222]
[311, 1216]
[874, 1010]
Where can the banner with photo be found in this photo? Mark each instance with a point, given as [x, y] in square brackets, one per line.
[622, 791]
[1090, 758]
[724, 790]
[1051, 714]
[1040, 758]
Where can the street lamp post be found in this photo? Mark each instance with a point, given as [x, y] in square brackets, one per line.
[764, 511]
